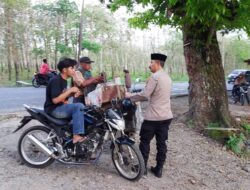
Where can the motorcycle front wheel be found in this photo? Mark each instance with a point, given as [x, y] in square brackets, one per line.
[29, 153]
[128, 161]
[247, 98]
[35, 83]
[242, 99]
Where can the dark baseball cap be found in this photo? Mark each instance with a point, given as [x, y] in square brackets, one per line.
[85, 60]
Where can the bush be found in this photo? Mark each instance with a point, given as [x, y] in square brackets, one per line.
[236, 143]
[246, 126]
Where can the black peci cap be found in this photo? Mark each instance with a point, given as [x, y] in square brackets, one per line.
[85, 60]
[158, 56]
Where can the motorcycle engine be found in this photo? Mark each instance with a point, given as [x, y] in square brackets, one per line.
[86, 148]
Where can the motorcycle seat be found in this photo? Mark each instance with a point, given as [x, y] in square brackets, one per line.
[41, 75]
[59, 122]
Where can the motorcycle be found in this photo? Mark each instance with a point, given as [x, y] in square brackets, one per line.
[41, 79]
[241, 94]
[40, 146]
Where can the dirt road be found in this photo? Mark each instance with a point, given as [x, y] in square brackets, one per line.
[194, 162]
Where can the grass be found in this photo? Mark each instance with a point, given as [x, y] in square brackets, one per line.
[23, 76]
[214, 125]
[190, 123]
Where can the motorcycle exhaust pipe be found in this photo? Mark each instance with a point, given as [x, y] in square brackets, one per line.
[41, 146]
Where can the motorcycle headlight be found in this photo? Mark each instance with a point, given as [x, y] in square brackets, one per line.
[120, 124]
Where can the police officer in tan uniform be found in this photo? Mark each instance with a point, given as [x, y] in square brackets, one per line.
[158, 114]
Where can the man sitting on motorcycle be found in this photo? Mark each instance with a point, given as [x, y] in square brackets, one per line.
[84, 80]
[45, 70]
[240, 80]
[57, 96]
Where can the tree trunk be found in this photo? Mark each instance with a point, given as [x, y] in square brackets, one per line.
[27, 58]
[208, 101]
[8, 37]
[37, 67]
[16, 69]
[101, 61]
[2, 66]
[80, 32]
[15, 55]
[22, 62]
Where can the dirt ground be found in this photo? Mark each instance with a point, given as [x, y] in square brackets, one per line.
[194, 162]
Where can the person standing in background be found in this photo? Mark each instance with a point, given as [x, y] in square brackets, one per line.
[127, 78]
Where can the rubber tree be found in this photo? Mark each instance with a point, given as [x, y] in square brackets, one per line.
[199, 21]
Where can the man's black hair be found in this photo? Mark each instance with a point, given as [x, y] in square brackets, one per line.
[125, 71]
[66, 63]
[162, 63]
[45, 60]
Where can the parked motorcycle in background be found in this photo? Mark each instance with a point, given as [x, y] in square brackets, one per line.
[242, 95]
[41, 79]
[240, 91]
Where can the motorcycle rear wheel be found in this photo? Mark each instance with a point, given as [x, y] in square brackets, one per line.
[126, 167]
[35, 83]
[29, 153]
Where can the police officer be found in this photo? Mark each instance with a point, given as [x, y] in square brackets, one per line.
[158, 114]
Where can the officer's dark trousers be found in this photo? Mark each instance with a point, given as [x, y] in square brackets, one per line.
[159, 129]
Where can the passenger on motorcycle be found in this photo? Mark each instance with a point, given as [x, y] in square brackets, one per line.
[84, 80]
[45, 70]
[240, 80]
[57, 96]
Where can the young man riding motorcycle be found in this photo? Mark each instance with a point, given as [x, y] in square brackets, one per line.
[57, 96]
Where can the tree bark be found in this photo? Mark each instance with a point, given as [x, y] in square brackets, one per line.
[2, 66]
[56, 41]
[8, 37]
[80, 32]
[27, 58]
[208, 101]
[36, 58]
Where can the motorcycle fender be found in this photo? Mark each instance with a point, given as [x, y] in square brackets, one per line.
[125, 140]
[25, 120]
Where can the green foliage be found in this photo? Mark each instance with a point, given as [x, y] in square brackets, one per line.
[16, 4]
[214, 125]
[246, 126]
[242, 49]
[24, 75]
[63, 49]
[38, 52]
[65, 7]
[205, 14]
[91, 46]
[190, 123]
[60, 7]
[178, 77]
[236, 143]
